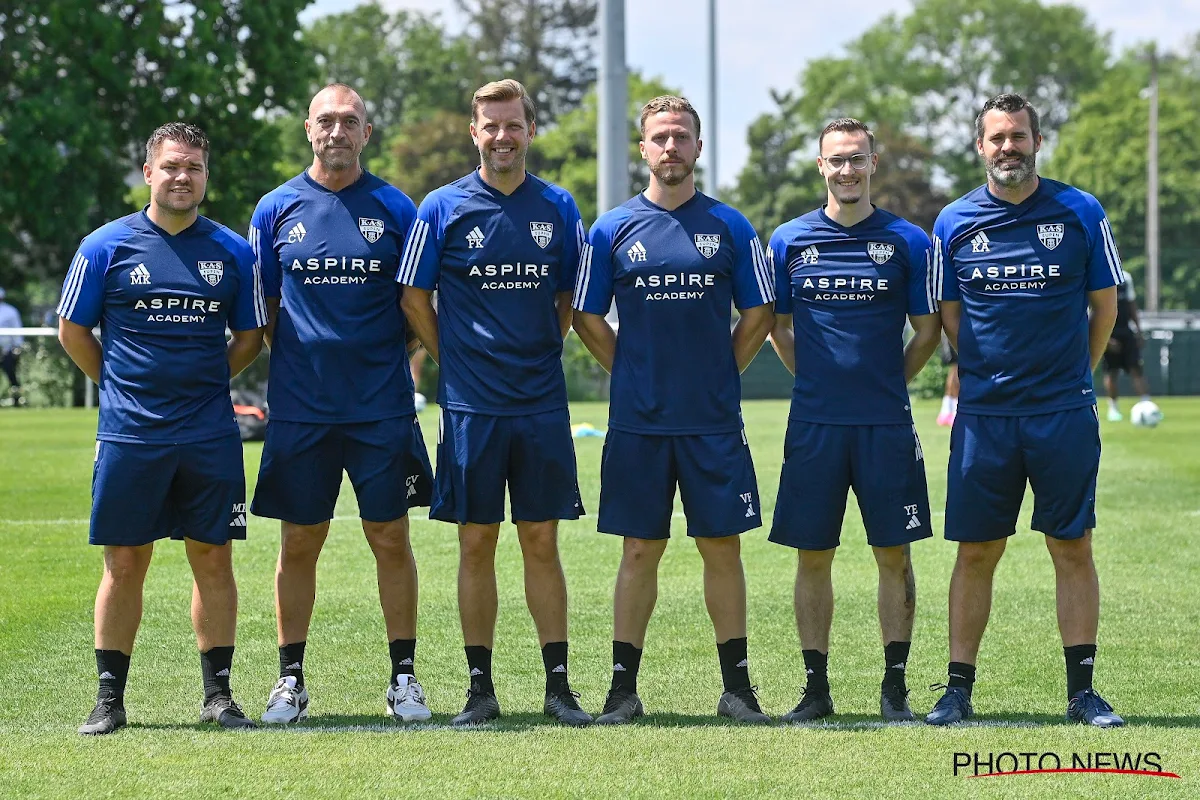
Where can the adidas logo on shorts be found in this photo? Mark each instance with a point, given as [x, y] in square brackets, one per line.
[238, 522]
[913, 523]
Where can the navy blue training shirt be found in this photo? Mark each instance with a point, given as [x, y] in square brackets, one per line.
[849, 291]
[338, 354]
[1022, 273]
[675, 276]
[497, 262]
[163, 303]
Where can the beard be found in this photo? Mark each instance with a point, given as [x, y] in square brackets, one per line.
[177, 203]
[847, 194]
[672, 174]
[337, 159]
[495, 165]
[1011, 176]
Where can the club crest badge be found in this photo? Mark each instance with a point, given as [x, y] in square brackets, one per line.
[880, 252]
[542, 232]
[708, 244]
[371, 229]
[211, 271]
[1051, 235]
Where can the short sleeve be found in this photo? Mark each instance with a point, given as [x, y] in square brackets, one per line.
[573, 241]
[401, 209]
[945, 277]
[1104, 262]
[420, 265]
[778, 261]
[82, 300]
[753, 284]
[594, 282]
[922, 294]
[262, 241]
[250, 305]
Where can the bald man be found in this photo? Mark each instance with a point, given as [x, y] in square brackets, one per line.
[328, 244]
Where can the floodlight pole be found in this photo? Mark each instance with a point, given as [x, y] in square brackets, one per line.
[710, 139]
[613, 135]
[1152, 243]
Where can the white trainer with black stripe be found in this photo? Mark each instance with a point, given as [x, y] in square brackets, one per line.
[406, 700]
[287, 704]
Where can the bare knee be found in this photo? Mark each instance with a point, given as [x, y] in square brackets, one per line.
[815, 562]
[300, 545]
[539, 540]
[127, 565]
[980, 557]
[389, 541]
[642, 554]
[892, 560]
[477, 544]
[1071, 554]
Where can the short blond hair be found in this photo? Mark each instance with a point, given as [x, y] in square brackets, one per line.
[669, 103]
[502, 92]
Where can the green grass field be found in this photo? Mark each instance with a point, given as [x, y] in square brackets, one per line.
[1148, 666]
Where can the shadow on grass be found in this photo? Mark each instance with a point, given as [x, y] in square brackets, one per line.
[526, 721]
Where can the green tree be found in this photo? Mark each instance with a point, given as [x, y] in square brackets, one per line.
[926, 75]
[546, 44]
[85, 83]
[405, 66]
[430, 153]
[566, 154]
[1103, 150]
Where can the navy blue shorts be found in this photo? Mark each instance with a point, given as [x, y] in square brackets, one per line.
[991, 458]
[145, 492]
[715, 474]
[821, 463]
[301, 471]
[479, 453]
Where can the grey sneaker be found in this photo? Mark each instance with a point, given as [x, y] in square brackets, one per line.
[742, 705]
[813, 705]
[106, 717]
[564, 706]
[893, 704]
[620, 707]
[226, 713]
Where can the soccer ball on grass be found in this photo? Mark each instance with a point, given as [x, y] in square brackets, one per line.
[1145, 414]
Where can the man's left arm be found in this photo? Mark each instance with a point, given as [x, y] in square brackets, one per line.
[927, 334]
[243, 348]
[750, 332]
[562, 306]
[1102, 304]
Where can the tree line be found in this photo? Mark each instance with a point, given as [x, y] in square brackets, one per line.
[85, 82]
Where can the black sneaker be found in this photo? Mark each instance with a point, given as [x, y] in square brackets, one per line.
[563, 707]
[813, 705]
[223, 711]
[621, 706]
[742, 705]
[106, 717]
[481, 707]
[953, 707]
[893, 704]
[1092, 709]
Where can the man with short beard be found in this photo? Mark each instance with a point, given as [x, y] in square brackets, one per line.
[501, 247]
[848, 275]
[1027, 271]
[163, 285]
[340, 391]
[676, 261]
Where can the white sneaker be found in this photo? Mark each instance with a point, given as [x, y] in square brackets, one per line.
[406, 700]
[286, 704]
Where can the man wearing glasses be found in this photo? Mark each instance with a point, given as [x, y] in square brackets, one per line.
[846, 276]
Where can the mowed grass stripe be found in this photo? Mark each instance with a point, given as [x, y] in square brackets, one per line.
[1147, 665]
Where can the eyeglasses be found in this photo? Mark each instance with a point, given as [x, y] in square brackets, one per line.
[859, 161]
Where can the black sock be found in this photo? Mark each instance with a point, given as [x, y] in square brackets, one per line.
[113, 668]
[291, 662]
[962, 676]
[735, 666]
[479, 665]
[404, 653]
[215, 665]
[816, 666]
[554, 657]
[627, 659]
[1081, 659]
[895, 661]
